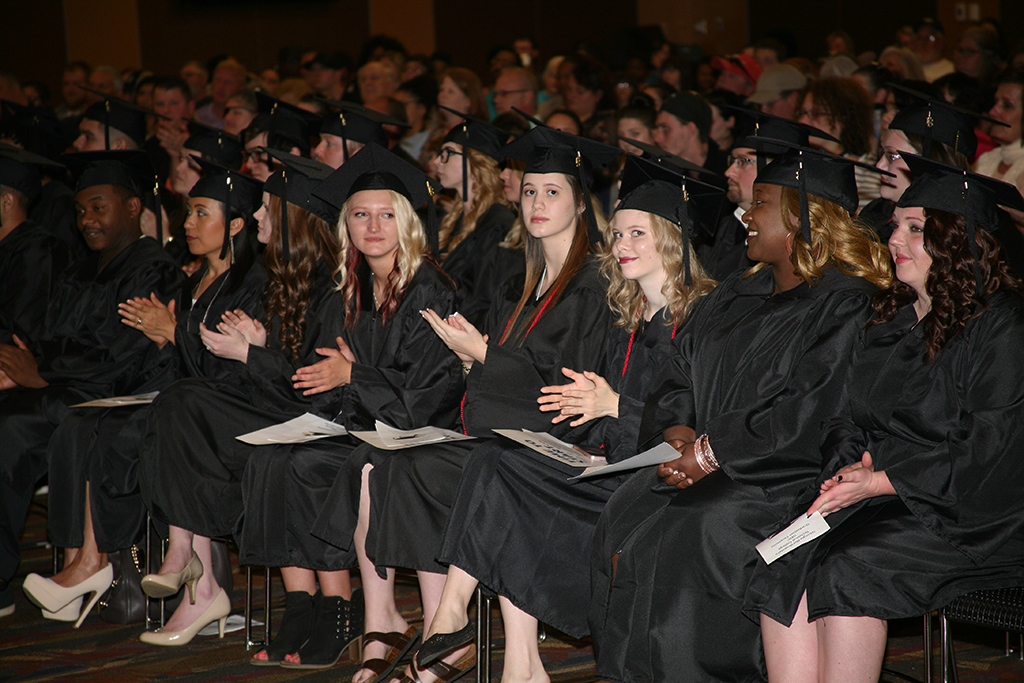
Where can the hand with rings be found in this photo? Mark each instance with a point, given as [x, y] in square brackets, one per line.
[150, 316]
[589, 397]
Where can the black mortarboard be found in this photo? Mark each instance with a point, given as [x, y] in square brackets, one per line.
[934, 119]
[356, 122]
[974, 196]
[546, 150]
[287, 120]
[19, 168]
[34, 128]
[118, 114]
[474, 134]
[689, 107]
[813, 171]
[235, 189]
[667, 190]
[211, 143]
[294, 182]
[752, 127]
[375, 168]
[130, 169]
[657, 154]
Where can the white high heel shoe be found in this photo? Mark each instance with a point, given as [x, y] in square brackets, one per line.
[166, 585]
[53, 598]
[218, 611]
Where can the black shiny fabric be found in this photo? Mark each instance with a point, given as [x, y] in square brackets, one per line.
[31, 259]
[471, 262]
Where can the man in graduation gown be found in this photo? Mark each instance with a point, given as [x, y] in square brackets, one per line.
[84, 351]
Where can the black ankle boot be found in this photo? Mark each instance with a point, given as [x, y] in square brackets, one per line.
[336, 624]
[295, 629]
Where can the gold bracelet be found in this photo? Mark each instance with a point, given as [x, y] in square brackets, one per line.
[704, 455]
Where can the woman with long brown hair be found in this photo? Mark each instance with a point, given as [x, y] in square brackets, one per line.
[459, 90]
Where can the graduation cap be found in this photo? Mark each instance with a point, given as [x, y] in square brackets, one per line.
[546, 150]
[112, 112]
[657, 154]
[813, 171]
[689, 107]
[356, 122]
[290, 122]
[294, 182]
[212, 143]
[35, 128]
[961, 192]
[755, 126]
[934, 119]
[130, 169]
[666, 190]
[375, 168]
[228, 185]
[474, 134]
[19, 175]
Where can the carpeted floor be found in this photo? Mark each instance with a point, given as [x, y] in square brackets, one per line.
[34, 650]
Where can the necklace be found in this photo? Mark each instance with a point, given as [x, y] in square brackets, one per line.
[210, 305]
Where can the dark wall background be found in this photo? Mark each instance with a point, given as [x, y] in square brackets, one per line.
[33, 45]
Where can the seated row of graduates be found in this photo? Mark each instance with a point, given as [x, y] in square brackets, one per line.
[755, 367]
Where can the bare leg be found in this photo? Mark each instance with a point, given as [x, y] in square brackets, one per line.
[452, 612]
[299, 579]
[852, 648]
[791, 654]
[336, 583]
[85, 561]
[179, 550]
[522, 651]
[382, 613]
[206, 588]
[431, 587]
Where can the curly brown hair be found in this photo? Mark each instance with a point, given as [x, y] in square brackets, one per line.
[310, 240]
[951, 280]
[846, 104]
[488, 190]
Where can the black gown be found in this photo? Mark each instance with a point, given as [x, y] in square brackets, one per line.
[470, 263]
[31, 259]
[948, 434]
[521, 528]
[54, 210]
[726, 251]
[412, 490]
[758, 373]
[101, 445]
[404, 376]
[191, 464]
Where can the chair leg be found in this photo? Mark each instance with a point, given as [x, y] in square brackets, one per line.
[153, 567]
[483, 636]
[928, 647]
[249, 642]
[948, 656]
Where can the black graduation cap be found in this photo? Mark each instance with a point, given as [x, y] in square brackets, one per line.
[754, 126]
[35, 128]
[294, 182]
[212, 143]
[666, 190]
[287, 120]
[356, 122]
[546, 150]
[130, 169]
[934, 119]
[474, 134]
[19, 168]
[375, 168]
[813, 171]
[228, 185]
[657, 154]
[112, 112]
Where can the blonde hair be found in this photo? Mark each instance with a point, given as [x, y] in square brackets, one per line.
[626, 298]
[412, 245]
[837, 239]
[488, 189]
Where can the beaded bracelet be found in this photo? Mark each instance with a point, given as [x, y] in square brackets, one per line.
[704, 454]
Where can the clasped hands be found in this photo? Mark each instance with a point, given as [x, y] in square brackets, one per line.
[333, 371]
[235, 332]
[588, 396]
[850, 485]
[18, 367]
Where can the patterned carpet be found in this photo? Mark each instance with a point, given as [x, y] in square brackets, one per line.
[34, 650]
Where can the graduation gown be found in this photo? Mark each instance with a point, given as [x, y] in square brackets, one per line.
[101, 445]
[404, 375]
[31, 259]
[471, 262]
[191, 465]
[54, 210]
[521, 528]
[949, 436]
[726, 251]
[757, 373]
[412, 490]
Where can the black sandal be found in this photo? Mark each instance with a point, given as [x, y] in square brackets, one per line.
[441, 644]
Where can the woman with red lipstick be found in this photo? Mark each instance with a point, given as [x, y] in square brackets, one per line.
[921, 482]
[759, 364]
[540, 569]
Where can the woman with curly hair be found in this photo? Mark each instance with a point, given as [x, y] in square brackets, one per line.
[921, 486]
[470, 233]
[191, 465]
[545, 522]
[760, 362]
[842, 108]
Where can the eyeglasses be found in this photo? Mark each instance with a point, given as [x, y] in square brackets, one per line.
[256, 157]
[814, 113]
[741, 162]
[891, 157]
[506, 93]
[446, 153]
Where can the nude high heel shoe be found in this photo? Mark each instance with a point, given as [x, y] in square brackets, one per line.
[69, 612]
[53, 598]
[166, 585]
[218, 611]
